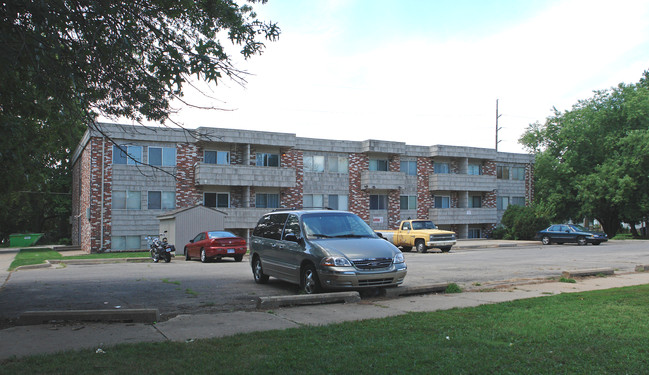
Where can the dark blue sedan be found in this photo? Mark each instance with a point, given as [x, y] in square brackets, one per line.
[561, 233]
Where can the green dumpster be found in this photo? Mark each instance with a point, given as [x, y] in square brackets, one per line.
[24, 240]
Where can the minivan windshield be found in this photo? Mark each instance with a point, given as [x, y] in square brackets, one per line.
[335, 225]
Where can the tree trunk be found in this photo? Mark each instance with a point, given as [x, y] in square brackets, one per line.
[634, 231]
[610, 224]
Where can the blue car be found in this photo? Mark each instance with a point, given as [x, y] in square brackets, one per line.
[561, 233]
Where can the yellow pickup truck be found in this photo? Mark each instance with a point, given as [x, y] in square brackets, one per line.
[422, 234]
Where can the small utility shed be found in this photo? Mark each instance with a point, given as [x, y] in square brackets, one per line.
[184, 224]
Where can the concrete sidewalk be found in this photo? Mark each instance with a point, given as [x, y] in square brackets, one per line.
[50, 338]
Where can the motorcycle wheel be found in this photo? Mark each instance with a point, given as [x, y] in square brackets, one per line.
[153, 256]
[167, 258]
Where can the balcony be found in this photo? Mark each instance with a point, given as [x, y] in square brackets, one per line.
[243, 217]
[381, 180]
[445, 216]
[244, 175]
[462, 182]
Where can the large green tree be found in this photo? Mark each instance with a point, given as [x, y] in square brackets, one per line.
[64, 62]
[592, 160]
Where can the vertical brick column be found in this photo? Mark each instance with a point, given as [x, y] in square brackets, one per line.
[187, 194]
[424, 197]
[489, 168]
[455, 200]
[293, 197]
[394, 163]
[489, 199]
[487, 230]
[529, 184]
[394, 208]
[92, 239]
[359, 200]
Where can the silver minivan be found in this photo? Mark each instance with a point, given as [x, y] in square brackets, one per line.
[323, 250]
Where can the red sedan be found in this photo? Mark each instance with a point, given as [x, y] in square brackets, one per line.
[215, 245]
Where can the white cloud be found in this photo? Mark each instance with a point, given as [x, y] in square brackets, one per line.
[426, 91]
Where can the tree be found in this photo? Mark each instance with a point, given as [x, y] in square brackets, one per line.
[522, 223]
[592, 161]
[65, 62]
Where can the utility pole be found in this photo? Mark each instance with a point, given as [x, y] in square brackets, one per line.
[497, 128]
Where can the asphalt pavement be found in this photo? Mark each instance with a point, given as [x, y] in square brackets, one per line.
[26, 340]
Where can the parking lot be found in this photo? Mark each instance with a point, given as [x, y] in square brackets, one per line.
[182, 287]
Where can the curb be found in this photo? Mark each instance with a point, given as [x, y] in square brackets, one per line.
[590, 272]
[307, 299]
[50, 262]
[412, 290]
[121, 316]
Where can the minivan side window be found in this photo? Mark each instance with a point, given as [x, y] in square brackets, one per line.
[270, 226]
[292, 226]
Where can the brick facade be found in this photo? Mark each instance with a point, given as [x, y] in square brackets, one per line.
[394, 208]
[293, 197]
[359, 200]
[424, 196]
[187, 195]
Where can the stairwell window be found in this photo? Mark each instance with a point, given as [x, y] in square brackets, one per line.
[126, 200]
[314, 163]
[162, 156]
[161, 200]
[132, 156]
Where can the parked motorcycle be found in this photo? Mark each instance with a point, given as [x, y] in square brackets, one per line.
[160, 249]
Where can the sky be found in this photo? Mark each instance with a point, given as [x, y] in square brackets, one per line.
[428, 72]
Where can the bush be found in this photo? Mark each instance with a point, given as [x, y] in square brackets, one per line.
[499, 233]
[522, 222]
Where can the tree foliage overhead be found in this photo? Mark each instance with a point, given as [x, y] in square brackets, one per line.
[120, 58]
[592, 161]
[64, 62]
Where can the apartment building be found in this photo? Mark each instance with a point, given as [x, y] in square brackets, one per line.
[128, 175]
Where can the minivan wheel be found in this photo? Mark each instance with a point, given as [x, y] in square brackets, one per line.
[258, 272]
[310, 281]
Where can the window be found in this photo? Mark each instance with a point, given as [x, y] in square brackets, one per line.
[165, 200]
[474, 169]
[378, 165]
[216, 200]
[378, 202]
[162, 156]
[440, 167]
[406, 226]
[126, 243]
[518, 201]
[134, 155]
[409, 168]
[408, 202]
[216, 157]
[314, 163]
[338, 164]
[474, 233]
[502, 203]
[126, 200]
[264, 200]
[475, 201]
[267, 160]
[518, 173]
[270, 226]
[442, 202]
[502, 172]
[313, 200]
[292, 226]
[338, 202]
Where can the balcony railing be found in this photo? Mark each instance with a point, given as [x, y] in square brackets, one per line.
[244, 175]
[243, 217]
[462, 182]
[381, 180]
[463, 215]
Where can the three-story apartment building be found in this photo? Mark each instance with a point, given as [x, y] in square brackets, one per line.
[127, 175]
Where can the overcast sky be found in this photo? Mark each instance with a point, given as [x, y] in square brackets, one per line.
[429, 72]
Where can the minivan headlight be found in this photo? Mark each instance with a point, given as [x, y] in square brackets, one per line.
[398, 258]
[336, 262]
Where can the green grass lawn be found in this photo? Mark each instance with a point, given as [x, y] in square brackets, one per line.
[600, 332]
[40, 255]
